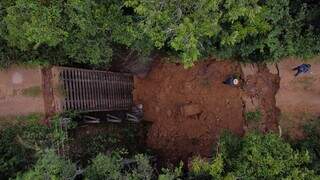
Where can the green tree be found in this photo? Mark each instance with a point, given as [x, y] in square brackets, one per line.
[88, 32]
[245, 29]
[112, 167]
[256, 156]
[269, 157]
[83, 31]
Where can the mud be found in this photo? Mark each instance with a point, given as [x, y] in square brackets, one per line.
[169, 90]
[190, 107]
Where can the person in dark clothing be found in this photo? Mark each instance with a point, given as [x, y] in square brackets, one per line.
[232, 81]
[301, 69]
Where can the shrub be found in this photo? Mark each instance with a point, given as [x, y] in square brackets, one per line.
[50, 166]
[13, 156]
[19, 143]
[311, 143]
[104, 167]
[268, 156]
[113, 167]
[253, 116]
[40, 137]
[258, 157]
[204, 169]
[168, 174]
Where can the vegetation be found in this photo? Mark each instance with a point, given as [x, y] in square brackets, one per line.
[20, 143]
[40, 151]
[312, 143]
[253, 116]
[88, 32]
[256, 156]
[14, 156]
[50, 166]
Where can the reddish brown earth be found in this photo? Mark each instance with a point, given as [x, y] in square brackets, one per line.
[298, 97]
[190, 107]
[260, 87]
[21, 91]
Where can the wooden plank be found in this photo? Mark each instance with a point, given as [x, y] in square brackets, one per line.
[79, 90]
[65, 90]
[91, 90]
[104, 87]
[70, 89]
[75, 89]
[85, 87]
[108, 96]
[100, 90]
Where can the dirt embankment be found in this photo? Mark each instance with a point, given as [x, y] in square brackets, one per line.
[260, 88]
[190, 107]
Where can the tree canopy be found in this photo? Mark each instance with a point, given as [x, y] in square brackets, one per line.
[255, 156]
[87, 32]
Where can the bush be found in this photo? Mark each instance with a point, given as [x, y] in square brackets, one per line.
[258, 157]
[53, 136]
[50, 166]
[168, 174]
[19, 143]
[269, 157]
[113, 167]
[311, 143]
[253, 116]
[13, 156]
[104, 167]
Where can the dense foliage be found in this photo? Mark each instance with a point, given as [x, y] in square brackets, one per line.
[312, 143]
[35, 151]
[50, 166]
[256, 156]
[21, 143]
[14, 156]
[88, 32]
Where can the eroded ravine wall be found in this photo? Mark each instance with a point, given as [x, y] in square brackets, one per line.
[259, 89]
[298, 98]
[287, 102]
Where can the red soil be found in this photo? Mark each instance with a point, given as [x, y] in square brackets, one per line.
[170, 90]
[263, 86]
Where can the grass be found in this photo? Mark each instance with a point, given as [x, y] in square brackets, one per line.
[33, 91]
[253, 116]
[7, 121]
